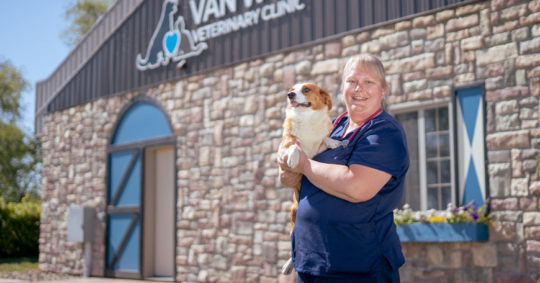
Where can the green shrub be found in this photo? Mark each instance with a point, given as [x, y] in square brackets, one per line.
[19, 228]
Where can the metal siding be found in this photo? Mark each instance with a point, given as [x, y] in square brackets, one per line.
[237, 47]
[213, 56]
[394, 9]
[246, 44]
[274, 36]
[422, 5]
[341, 18]
[115, 59]
[112, 69]
[97, 81]
[318, 19]
[379, 11]
[76, 90]
[366, 9]
[407, 7]
[438, 3]
[284, 30]
[307, 34]
[353, 14]
[227, 54]
[255, 38]
[107, 89]
[333, 16]
[123, 58]
[129, 53]
[88, 82]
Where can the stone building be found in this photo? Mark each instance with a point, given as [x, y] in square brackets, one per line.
[166, 118]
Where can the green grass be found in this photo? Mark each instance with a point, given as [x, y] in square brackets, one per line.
[18, 264]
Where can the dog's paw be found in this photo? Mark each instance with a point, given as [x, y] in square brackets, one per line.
[293, 156]
[288, 267]
[331, 143]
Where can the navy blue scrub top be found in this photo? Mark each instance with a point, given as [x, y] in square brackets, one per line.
[336, 238]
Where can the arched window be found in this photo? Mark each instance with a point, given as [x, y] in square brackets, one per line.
[142, 121]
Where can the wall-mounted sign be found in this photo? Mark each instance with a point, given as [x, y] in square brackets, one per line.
[161, 35]
[173, 42]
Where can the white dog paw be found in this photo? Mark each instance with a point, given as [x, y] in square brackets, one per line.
[293, 156]
[331, 143]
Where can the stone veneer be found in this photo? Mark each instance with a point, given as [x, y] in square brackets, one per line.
[232, 212]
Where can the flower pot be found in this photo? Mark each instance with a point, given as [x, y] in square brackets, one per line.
[443, 232]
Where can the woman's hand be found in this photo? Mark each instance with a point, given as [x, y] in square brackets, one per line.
[284, 155]
[290, 177]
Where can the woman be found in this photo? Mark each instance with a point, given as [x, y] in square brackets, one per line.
[344, 229]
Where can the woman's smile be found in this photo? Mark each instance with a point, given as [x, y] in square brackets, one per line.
[359, 98]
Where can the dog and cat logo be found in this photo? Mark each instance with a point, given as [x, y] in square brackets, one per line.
[173, 42]
[170, 41]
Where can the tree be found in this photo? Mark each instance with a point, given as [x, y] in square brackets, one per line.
[19, 152]
[82, 15]
[12, 84]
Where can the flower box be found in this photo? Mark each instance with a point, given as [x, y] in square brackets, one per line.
[443, 232]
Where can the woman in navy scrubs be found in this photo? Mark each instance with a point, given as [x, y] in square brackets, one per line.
[344, 230]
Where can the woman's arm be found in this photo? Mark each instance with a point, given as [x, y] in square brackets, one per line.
[289, 178]
[354, 183]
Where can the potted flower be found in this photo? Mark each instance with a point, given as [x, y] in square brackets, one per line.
[455, 224]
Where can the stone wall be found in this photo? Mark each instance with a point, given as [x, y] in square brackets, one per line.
[233, 214]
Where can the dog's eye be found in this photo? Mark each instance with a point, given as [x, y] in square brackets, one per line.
[306, 90]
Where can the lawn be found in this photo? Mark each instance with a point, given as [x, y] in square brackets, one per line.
[18, 264]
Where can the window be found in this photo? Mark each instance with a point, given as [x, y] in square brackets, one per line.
[429, 137]
[447, 153]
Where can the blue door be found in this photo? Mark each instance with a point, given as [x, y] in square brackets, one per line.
[142, 125]
[124, 213]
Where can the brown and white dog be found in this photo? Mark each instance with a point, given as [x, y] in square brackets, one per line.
[308, 123]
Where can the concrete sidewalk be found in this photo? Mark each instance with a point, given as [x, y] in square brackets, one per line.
[80, 280]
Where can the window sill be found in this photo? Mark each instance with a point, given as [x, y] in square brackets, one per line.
[443, 232]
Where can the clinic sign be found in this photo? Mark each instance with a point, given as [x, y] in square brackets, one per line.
[173, 42]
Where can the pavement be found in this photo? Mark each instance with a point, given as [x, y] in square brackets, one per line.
[79, 280]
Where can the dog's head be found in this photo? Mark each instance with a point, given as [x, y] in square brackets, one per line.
[308, 95]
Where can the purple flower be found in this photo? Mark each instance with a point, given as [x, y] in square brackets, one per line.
[470, 205]
[474, 215]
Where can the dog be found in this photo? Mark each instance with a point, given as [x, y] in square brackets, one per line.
[307, 122]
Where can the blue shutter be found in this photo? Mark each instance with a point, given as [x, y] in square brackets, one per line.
[470, 145]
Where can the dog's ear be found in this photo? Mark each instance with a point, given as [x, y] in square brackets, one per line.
[327, 99]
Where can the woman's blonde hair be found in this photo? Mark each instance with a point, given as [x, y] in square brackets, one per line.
[373, 64]
[368, 61]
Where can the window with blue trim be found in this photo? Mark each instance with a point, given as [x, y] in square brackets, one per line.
[447, 153]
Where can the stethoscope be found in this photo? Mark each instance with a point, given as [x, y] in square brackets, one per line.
[346, 142]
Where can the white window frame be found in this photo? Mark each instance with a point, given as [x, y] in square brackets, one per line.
[420, 108]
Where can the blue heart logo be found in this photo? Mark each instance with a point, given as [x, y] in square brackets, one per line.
[171, 42]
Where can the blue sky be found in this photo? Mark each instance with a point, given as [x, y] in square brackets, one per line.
[29, 38]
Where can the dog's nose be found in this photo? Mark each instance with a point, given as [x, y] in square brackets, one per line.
[291, 95]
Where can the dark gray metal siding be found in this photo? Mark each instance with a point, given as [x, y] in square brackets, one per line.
[112, 70]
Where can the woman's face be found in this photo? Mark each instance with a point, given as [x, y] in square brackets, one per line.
[363, 94]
